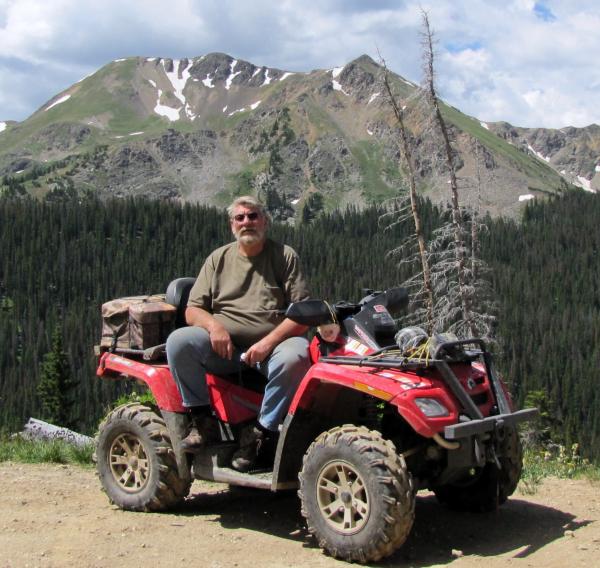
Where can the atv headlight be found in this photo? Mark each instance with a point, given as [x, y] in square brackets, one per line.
[431, 408]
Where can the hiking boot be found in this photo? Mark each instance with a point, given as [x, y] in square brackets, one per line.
[204, 430]
[251, 441]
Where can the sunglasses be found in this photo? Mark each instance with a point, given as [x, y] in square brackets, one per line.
[253, 216]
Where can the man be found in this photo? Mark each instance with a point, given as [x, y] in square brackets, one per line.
[234, 309]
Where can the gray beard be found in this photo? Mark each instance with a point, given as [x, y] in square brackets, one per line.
[249, 238]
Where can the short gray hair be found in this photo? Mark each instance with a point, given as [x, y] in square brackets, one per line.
[248, 201]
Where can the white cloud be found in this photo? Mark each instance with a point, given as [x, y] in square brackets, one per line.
[532, 63]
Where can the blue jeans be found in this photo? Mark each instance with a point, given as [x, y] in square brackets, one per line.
[190, 356]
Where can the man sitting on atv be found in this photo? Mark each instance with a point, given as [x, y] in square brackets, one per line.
[234, 310]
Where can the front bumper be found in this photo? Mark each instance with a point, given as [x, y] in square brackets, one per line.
[489, 424]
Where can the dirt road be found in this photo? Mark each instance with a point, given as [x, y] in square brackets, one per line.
[56, 516]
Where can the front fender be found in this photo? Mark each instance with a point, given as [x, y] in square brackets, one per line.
[396, 387]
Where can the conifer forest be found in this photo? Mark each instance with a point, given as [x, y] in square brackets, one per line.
[60, 260]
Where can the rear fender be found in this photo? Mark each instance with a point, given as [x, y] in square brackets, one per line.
[157, 377]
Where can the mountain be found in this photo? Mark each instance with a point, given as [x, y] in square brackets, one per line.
[208, 128]
[574, 152]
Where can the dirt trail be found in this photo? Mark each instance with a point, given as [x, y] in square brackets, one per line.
[56, 516]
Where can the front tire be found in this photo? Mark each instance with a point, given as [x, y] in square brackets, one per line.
[135, 460]
[357, 494]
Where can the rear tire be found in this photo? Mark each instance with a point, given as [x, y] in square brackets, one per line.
[492, 487]
[135, 460]
[357, 494]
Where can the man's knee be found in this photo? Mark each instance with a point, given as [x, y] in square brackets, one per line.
[291, 357]
[187, 340]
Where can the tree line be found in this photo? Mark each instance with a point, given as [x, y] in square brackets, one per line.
[60, 260]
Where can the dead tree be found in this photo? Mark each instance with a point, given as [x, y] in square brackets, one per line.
[458, 231]
[426, 289]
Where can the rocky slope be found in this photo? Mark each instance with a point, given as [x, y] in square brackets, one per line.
[573, 152]
[208, 128]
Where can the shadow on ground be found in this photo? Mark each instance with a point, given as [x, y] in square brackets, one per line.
[519, 528]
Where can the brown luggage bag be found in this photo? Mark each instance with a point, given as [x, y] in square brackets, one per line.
[136, 322]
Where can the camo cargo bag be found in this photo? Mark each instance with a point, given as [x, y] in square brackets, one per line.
[136, 322]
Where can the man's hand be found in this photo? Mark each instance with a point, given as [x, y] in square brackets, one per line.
[258, 352]
[221, 342]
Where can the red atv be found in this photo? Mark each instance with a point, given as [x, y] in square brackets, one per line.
[369, 426]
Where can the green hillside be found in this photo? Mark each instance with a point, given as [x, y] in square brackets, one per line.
[191, 128]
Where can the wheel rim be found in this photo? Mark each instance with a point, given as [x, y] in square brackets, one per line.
[342, 497]
[129, 463]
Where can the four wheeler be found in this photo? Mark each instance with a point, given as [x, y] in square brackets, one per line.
[370, 424]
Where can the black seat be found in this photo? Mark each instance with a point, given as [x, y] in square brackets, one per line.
[177, 295]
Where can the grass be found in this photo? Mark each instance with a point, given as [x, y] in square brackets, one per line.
[534, 168]
[371, 163]
[35, 451]
[563, 463]
[17, 449]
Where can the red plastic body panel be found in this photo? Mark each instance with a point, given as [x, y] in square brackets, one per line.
[399, 388]
[157, 377]
[231, 403]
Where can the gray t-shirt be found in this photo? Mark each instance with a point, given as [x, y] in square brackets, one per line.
[245, 294]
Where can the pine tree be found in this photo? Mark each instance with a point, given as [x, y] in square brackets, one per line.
[56, 385]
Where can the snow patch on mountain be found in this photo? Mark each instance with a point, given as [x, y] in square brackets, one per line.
[484, 125]
[256, 72]
[119, 60]
[237, 110]
[336, 71]
[526, 197]
[267, 78]
[59, 101]
[136, 133]
[232, 75]
[373, 97]
[597, 168]
[153, 83]
[189, 112]
[178, 84]
[171, 113]
[151, 59]
[585, 183]
[2, 126]
[540, 156]
[208, 82]
[84, 78]
[225, 108]
[286, 75]
[253, 106]
[338, 87]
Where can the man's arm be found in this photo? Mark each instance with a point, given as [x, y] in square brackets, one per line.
[219, 337]
[261, 349]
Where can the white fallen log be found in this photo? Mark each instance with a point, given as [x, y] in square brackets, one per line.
[39, 430]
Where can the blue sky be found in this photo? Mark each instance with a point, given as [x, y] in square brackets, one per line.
[531, 63]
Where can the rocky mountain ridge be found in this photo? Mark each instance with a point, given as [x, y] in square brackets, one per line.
[573, 152]
[207, 128]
